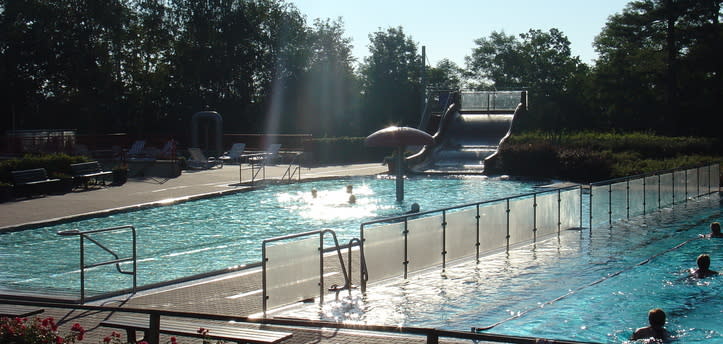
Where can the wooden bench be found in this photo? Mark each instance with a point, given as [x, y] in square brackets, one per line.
[32, 180]
[85, 171]
[190, 328]
[19, 311]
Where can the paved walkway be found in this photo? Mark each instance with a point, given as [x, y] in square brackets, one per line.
[235, 294]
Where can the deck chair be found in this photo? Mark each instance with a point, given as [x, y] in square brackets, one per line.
[138, 151]
[168, 152]
[234, 154]
[198, 161]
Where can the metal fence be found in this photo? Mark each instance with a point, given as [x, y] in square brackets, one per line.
[622, 198]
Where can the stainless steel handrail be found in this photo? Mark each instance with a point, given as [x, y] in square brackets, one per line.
[296, 168]
[84, 235]
[320, 233]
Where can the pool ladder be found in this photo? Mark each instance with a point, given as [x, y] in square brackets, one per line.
[117, 259]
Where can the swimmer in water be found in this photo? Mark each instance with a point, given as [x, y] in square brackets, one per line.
[703, 269]
[656, 317]
[414, 208]
[352, 199]
[349, 188]
[313, 193]
[715, 231]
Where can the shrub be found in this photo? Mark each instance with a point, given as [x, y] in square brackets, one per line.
[54, 164]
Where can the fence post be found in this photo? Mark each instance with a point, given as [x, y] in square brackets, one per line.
[154, 329]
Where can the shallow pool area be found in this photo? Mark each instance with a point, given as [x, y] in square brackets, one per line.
[594, 284]
[213, 234]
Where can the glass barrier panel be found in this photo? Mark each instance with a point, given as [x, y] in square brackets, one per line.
[292, 271]
[384, 251]
[522, 220]
[651, 194]
[547, 217]
[570, 209]
[715, 177]
[636, 195]
[493, 226]
[600, 204]
[692, 185]
[619, 200]
[424, 242]
[666, 189]
[461, 233]
[703, 180]
[679, 186]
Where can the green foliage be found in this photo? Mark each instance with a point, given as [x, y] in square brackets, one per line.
[390, 76]
[55, 164]
[595, 156]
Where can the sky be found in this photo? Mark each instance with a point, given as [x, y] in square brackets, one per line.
[448, 28]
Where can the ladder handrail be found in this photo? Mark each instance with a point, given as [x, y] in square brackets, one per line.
[84, 235]
[296, 168]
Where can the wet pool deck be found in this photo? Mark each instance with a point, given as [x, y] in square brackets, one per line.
[235, 294]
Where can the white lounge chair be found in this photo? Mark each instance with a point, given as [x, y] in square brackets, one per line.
[199, 161]
[234, 154]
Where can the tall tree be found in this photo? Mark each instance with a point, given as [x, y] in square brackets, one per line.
[540, 62]
[328, 95]
[445, 75]
[391, 80]
[655, 57]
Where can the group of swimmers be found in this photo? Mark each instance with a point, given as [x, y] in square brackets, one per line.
[352, 198]
[656, 317]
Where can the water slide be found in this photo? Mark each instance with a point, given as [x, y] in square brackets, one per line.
[469, 132]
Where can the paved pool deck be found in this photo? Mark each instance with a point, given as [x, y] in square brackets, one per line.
[233, 294]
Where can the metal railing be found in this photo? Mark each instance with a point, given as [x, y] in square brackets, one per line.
[431, 335]
[294, 169]
[256, 165]
[620, 198]
[499, 223]
[85, 235]
[295, 278]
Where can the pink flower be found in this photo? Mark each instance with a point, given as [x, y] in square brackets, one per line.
[173, 340]
[106, 339]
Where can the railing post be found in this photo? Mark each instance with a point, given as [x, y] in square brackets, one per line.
[82, 268]
[444, 240]
[534, 217]
[321, 267]
[507, 211]
[154, 329]
[432, 337]
[477, 243]
[406, 253]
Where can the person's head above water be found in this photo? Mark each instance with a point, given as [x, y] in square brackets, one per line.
[349, 188]
[715, 229]
[703, 262]
[415, 208]
[313, 193]
[352, 199]
[656, 317]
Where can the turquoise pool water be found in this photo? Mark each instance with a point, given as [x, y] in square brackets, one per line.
[213, 234]
[606, 280]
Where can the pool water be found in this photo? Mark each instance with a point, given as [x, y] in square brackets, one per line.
[213, 234]
[587, 285]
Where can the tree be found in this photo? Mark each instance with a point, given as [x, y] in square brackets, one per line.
[656, 66]
[328, 94]
[391, 81]
[539, 62]
[446, 75]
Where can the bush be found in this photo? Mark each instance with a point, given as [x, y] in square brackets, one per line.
[343, 150]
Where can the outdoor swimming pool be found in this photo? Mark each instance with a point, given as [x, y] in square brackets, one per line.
[212, 234]
[588, 285]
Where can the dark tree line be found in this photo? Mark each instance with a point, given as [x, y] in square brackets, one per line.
[145, 66]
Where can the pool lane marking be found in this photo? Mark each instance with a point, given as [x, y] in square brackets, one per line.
[259, 291]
